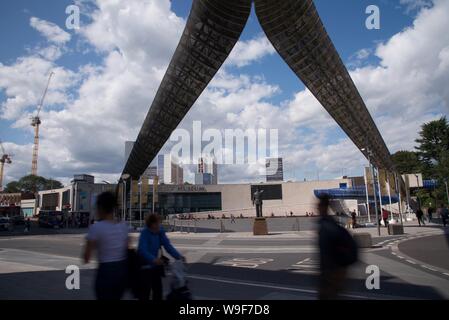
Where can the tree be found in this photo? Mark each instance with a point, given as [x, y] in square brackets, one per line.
[32, 184]
[433, 142]
[12, 187]
[407, 162]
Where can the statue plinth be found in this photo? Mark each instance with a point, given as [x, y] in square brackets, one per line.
[260, 227]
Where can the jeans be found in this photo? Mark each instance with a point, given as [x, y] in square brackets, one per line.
[111, 279]
[151, 281]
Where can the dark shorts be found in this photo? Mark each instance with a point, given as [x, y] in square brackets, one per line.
[111, 280]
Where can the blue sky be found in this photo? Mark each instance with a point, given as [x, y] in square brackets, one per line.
[91, 58]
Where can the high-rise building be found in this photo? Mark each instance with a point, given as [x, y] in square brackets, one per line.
[203, 179]
[207, 171]
[274, 170]
[169, 170]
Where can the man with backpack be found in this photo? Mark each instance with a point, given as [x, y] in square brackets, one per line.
[338, 251]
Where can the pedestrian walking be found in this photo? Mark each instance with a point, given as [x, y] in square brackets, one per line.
[444, 214]
[338, 251]
[420, 217]
[354, 219]
[152, 241]
[385, 215]
[430, 213]
[110, 240]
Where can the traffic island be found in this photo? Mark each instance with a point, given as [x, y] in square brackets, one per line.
[260, 227]
[395, 229]
[363, 240]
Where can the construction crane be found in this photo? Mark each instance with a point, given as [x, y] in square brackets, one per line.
[4, 158]
[36, 122]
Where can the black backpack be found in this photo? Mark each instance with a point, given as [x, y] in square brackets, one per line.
[345, 248]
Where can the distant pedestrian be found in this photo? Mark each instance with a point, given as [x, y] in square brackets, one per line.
[110, 239]
[420, 217]
[385, 215]
[232, 218]
[338, 251]
[354, 219]
[152, 240]
[27, 225]
[444, 214]
[430, 213]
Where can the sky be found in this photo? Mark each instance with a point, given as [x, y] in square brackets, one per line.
[108, 71]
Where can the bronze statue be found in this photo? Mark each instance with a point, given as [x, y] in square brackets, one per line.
[258, 202]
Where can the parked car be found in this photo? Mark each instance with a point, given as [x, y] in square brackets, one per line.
[5, 224]
[18, 220]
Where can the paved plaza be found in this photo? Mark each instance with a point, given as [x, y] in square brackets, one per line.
[237, 265]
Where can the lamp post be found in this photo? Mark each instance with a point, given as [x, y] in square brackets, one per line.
[389, 195]
[140, 202]
[398, 190]
[380, 193]
[367, 196]
[368, 153]
[124, 177]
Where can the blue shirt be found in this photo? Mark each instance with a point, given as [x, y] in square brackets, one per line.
[150, 244]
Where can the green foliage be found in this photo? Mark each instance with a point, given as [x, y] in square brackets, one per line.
[32, 184]
[432, 146]
[407, 162]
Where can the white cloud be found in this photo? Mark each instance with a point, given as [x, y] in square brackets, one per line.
[103, 105]
[49, 30]
[413, 5]
[246, 52]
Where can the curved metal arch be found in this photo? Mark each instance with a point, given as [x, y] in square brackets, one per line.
[213, 28]
[295, 29]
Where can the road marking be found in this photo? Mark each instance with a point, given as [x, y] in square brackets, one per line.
[251, 263]
[429, 268]
[306, 266]
[410, 261]
[446, 274]
[276, 287]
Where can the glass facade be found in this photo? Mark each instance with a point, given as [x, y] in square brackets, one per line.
[173, 203]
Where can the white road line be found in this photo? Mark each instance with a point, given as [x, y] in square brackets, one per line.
[410, 261]
[269, 286]
[429, 268]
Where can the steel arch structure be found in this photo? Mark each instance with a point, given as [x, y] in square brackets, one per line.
[298, 35]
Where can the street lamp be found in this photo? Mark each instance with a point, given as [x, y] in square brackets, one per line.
[124, 177]
[369, 154]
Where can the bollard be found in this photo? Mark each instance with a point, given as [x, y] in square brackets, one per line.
[195, 226]
[222, 228]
